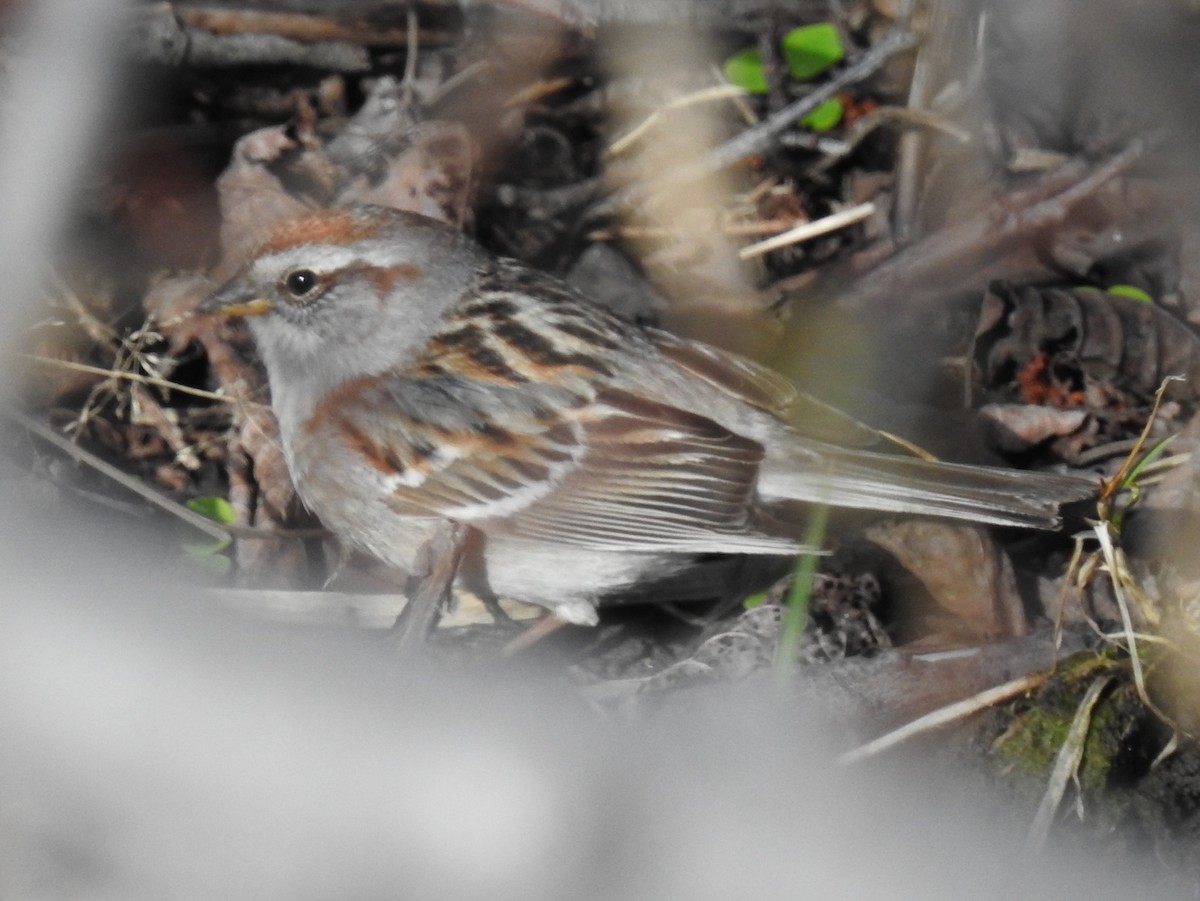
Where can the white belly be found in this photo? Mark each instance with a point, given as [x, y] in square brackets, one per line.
[570, 581]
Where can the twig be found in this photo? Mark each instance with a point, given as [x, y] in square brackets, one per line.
[809, 230]
[413, 44]
[100, 333]
[910, 153]
[763, 136]
[886, 115]
[705, 95]
[766, 134]
[158, 35]
[214, 529]
[1012, 218]
[729, 229]
[944, 716]
[191, 517]
[1111, 486]
[1116, 571]
[133, 377]
[383, 26]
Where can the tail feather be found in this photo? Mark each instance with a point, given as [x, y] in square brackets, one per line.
[874, 481]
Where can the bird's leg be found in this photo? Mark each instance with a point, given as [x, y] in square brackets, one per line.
[429, 592]
[474, 577]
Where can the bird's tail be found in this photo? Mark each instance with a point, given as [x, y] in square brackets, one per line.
[893, 484]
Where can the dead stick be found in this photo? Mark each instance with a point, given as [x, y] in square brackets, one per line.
[220, 531]
[986, 237]
[765, 135]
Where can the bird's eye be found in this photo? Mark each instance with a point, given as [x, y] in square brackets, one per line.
[300, 282]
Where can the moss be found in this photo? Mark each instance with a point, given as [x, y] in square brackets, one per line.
[1026, 751]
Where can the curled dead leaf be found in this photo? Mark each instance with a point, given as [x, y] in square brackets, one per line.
[956, 585]
[1018, 428]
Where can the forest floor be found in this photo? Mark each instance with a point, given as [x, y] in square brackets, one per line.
[970, 229]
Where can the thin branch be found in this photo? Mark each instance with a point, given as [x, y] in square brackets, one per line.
[960, 249]
[762, 137]
[809, 230]
[217, 530]
[1117, 569]
[359, 24]
[765, 135]
[944, 716]
[133, 377]
[704, 95]
[106, 469]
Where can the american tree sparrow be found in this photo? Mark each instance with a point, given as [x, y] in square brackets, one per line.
[427, 391]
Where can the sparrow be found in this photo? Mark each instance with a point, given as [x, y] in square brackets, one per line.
[432, 395]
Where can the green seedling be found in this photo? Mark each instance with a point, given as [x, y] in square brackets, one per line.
[745, 69]
[1131, 291]
[795, 619]
[811, 49]
[808, 51]
[826, 116]
[209, 554]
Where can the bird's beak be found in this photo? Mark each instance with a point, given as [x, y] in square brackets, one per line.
[235, 300]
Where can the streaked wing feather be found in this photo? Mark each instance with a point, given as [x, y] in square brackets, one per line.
[736, 376]
[449, 446]
[766, 389]
[623, 473]
[655, 478]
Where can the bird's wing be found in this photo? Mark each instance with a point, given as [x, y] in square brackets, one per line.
[612, 472]
[655, 478]
[766, 390]
[732, 374]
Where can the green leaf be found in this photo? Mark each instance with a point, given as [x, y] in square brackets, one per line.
[795, 618]
[745, 69]
[825, 116]
[207, 550]
[811, 49]
[215, 508]
[1130, 480]
[1130, 291]
[755, 600]
[206, 561]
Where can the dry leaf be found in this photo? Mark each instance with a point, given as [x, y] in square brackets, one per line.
[961, 588]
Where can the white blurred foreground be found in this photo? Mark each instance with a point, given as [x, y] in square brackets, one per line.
[157, 749]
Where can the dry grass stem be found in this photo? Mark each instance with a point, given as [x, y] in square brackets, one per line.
[809, 230]
[210, 527]
[135, 377]
[943, 716]
[705, 95]
[1066, 765]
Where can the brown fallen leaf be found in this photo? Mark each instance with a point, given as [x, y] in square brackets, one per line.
[1065, 345]
[1017, 428]
[252, 196]
[955, 585]
[434, 175]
